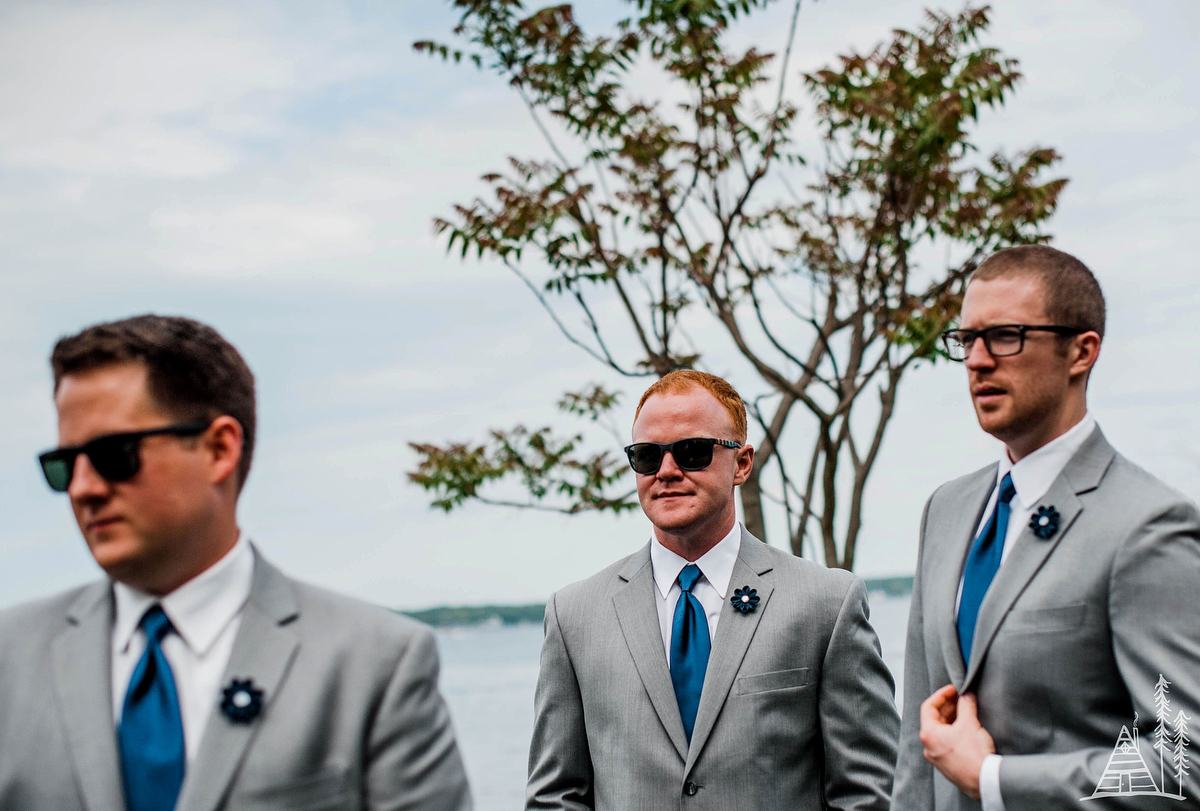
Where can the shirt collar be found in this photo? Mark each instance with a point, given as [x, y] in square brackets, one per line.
[716, 564]
[1033, 474]
[199, 609]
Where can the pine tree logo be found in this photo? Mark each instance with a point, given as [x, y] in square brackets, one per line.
[1162, 735]
[1127, 773]
[1179, 756]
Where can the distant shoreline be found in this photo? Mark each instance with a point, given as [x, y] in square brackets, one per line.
[467, 615]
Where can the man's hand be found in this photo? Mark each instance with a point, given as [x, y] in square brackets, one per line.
[955, 742]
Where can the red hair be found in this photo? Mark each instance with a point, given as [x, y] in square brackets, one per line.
[684, 379]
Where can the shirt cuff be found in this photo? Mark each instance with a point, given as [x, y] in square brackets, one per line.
[989, 784]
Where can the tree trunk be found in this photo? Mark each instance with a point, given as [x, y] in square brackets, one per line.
[752, 511]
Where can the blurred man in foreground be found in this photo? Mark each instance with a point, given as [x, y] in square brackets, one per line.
[196, 675]
[709, 670]
[1055, 588]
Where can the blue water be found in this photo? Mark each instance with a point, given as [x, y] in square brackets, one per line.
[488, 677]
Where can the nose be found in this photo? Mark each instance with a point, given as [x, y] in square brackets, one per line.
[86, 483]
[668, 469]
[978, 356]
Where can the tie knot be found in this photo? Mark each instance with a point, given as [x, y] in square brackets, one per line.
[156, 625]
[1007, 490]
[689, 576]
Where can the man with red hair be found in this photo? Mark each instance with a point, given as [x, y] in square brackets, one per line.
[709, 670]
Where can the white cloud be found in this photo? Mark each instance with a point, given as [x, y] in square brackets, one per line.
[157, 90]
[126, 89]
[252, 236]
[128, 148]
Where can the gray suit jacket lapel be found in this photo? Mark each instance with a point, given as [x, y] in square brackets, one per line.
[1081, 474]
[949, 567]
[263, 651]
[637, 614]
[82, 656]
[734, 632]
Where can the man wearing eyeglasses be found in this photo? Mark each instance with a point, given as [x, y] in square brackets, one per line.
[1055, 588]
[196, 675]
[708, 670]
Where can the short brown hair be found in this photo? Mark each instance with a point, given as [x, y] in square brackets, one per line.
[192, 372]
[1073, 296]
[684, 379]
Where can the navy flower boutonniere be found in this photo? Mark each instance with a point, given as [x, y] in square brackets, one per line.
[1044, 522]
[745, 599]
[241, 701]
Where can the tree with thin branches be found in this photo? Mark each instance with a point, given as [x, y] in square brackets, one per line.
[688, 231]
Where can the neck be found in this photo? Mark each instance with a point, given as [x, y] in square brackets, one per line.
[691, 544]
[1046, 432]
[201, 554]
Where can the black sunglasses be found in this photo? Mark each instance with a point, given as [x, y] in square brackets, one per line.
[695, 453]
[116, 457]
[1002, 340]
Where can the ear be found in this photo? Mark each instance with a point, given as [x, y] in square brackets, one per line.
[745, 463]
[1085, 350]
[223, 443]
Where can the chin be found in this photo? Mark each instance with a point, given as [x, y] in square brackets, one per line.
[997, 422]
[118, 556]
[673, 522]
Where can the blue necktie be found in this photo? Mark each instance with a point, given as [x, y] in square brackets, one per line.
[982, 565]
[151, 732]
[690, 647]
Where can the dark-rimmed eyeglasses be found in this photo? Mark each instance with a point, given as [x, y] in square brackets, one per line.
[116, 457]
[1002, 340]
[695, 453]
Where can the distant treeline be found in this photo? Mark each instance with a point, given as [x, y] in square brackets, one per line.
[450, 616]
[891, 586]
[447, 616]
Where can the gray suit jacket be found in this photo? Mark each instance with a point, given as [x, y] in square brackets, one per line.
[796, 711]
[1071, 638]
[353, 718]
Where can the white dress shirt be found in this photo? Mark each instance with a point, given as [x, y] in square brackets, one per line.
[1032, 477]
[206, 613]
[716, 569]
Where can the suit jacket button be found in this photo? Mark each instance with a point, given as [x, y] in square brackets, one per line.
[690, 788]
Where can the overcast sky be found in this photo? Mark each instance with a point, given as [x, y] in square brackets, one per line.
[272, 168]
